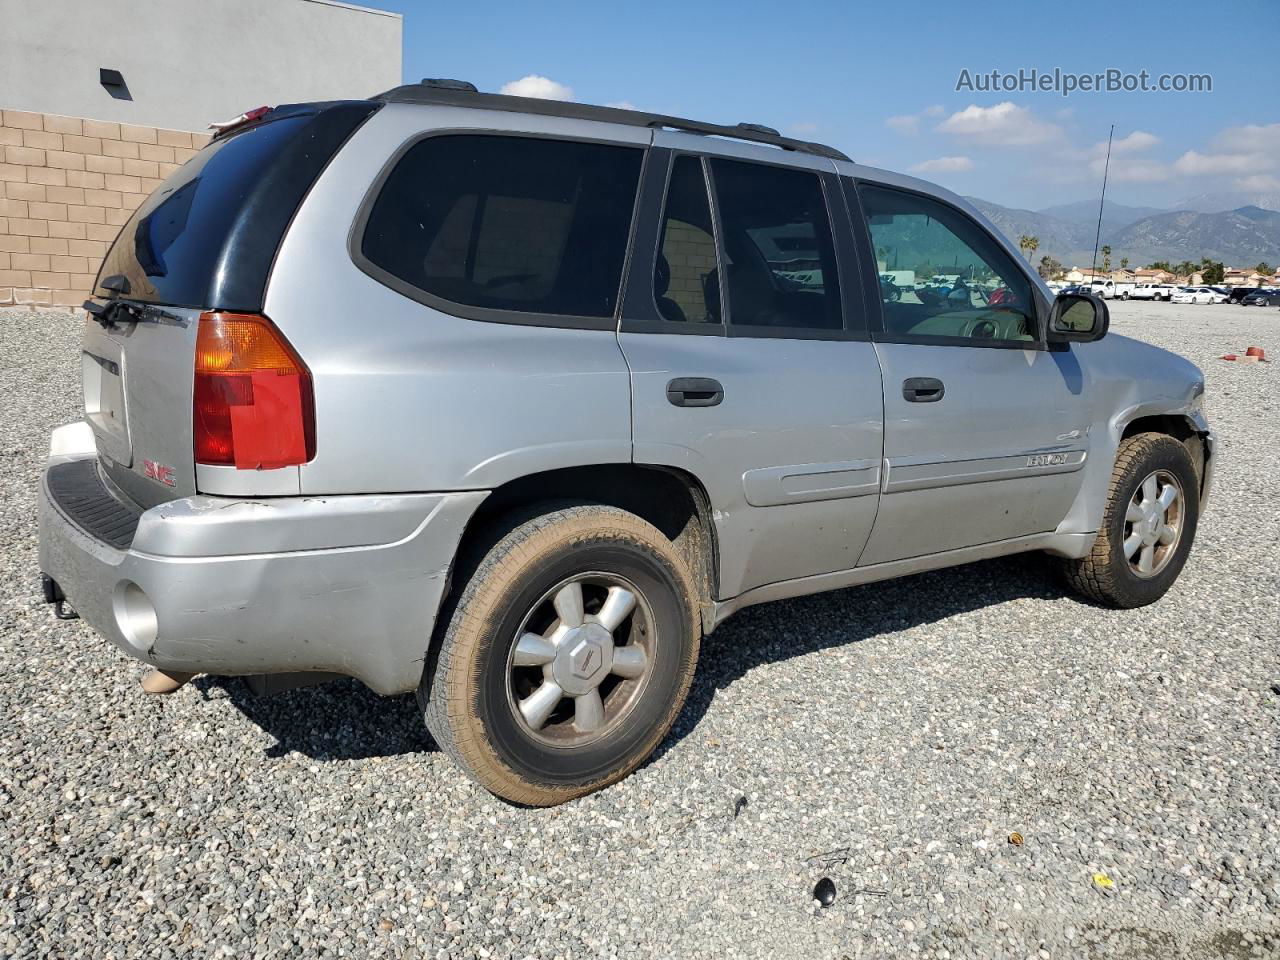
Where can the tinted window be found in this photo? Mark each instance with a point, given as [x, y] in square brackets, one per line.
[508, 223]
[941, 275]
[780, 261]
[685, 280]
[170, 250]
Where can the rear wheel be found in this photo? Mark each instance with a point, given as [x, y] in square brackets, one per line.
[1147, 528]
[567, 656]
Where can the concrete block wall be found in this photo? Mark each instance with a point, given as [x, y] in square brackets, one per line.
[67, 185]
[691, 254]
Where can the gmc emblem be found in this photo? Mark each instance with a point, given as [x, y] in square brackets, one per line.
[158, 471]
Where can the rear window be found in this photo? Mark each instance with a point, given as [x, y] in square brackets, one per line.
[208, 235]
[531, 225]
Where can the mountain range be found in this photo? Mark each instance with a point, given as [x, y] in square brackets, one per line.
[1239, 236]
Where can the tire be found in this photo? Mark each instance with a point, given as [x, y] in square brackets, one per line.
[475, 700]
[1109, 576]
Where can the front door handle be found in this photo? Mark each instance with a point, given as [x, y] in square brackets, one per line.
[694, 392]
[922, 390]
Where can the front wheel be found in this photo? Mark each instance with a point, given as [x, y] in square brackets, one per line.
[1148, 525]
[567, 656]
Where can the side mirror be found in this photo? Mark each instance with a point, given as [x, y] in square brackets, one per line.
[1078, 318]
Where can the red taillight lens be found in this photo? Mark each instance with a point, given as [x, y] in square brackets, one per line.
[253, 404]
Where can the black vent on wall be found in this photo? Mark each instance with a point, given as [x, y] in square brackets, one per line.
[113, 82]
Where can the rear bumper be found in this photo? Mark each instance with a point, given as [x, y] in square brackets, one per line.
[346, 585]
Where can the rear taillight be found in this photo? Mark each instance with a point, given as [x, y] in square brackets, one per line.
[253, 404]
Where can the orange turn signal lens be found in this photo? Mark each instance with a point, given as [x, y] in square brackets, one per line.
[253, 408]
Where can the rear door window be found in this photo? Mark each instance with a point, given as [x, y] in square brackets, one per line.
[505, 223]
[779, 256]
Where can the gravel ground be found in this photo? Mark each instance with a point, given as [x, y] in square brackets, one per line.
[891, 737]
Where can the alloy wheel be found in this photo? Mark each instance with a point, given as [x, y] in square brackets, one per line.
[580, 659]
[1153, 524]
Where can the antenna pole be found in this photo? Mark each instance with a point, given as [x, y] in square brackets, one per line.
[1093, 269]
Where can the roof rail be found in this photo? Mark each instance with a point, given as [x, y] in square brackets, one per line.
[456, 95]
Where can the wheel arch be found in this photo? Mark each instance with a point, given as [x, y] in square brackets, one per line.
[671, 499]
[1182, 428]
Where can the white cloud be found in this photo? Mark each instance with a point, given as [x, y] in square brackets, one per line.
[944, 165]
[1005, 124]
[1126, 164]
[1251, 138]
[1237, 151]
[1261, 182]
[1194, 163]
[1126, 169]
[537, 86]
[907, 123]
[1138, 140]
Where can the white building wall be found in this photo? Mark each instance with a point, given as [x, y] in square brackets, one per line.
[189, 62]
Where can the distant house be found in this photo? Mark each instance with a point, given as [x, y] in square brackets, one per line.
[1238, 277]
[1148, 275]
[1085, 275]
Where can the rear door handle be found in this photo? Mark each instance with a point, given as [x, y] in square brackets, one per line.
[922, 390]
[694, 392]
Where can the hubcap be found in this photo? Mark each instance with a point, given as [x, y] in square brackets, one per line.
[580, 659]
[1153, 524]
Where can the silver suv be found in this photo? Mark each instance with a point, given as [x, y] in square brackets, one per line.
[508, 402]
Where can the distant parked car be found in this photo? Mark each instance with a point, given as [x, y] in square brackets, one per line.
[1238, 294]
[1222, 294]
[1109, 289]
[1152, 291]
[1195, 295]
[1262, 298]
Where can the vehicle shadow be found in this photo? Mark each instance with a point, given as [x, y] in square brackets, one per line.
[337, 720]
[790, 628]
[344, 720]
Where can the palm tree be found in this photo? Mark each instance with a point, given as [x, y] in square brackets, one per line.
[1124, 263]
[1106, 259]
[1024, 243]
[1033, 243]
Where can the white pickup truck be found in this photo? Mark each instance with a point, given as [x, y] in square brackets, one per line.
[1110, 290]
[1152, 291]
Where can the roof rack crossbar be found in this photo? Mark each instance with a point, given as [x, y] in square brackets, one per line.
[456, 97]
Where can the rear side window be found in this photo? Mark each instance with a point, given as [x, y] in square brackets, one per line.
[207, 237]
[507, 223]
[686, 283]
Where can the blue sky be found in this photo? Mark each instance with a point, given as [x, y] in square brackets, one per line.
[879, 82]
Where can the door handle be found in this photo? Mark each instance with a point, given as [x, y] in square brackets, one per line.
[922, 390]
[694, 392]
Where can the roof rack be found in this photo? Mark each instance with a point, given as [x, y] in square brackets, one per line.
[454, 93]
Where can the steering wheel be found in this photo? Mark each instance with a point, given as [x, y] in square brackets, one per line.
[981, 328]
